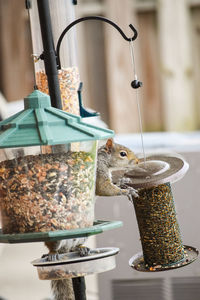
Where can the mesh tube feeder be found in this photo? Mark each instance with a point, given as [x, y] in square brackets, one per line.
[160, 235]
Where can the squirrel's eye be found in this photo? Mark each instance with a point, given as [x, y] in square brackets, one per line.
[123, 153]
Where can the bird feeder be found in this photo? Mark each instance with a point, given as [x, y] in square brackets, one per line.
[61, 14]
[160, 235]
[63, 208]
[46, 185]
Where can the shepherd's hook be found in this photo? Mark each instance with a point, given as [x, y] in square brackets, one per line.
[92, 18]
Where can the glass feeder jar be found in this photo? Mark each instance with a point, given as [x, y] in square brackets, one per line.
[44, 184]
[62, 13]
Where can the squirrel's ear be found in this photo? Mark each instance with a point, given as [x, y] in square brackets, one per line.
[109, 145]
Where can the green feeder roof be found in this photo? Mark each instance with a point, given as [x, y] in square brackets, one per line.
[41, 124]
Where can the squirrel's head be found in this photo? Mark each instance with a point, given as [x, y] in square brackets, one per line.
[119, 156]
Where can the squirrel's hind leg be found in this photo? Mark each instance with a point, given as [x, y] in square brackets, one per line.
[53, 254]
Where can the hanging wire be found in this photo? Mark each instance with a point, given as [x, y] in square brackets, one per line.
[137, 99]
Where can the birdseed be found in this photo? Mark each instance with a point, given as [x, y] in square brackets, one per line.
[69, 83]
[158, 226]
[47, 192]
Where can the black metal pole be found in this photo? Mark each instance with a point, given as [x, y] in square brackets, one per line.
[49, 53]
[79, 288]
[50, 61]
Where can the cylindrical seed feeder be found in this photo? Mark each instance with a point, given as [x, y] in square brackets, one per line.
[61, 13]
[156, 216]
[51, 191]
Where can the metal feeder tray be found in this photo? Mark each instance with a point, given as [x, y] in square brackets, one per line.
[72, 265]
[158, 169]
[137, 261]
[98, 227]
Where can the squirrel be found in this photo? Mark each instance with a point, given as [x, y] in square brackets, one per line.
[109, 156]
[113, 156]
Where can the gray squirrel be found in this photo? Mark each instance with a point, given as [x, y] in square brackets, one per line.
[113, 156]
[110, 155]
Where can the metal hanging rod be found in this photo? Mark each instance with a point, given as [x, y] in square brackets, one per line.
[92, 18]
[49, 54]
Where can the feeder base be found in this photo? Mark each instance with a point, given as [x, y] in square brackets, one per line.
[137, 261]
[72, 265]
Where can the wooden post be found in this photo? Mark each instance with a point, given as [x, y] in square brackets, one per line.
[92, 65]
[16, 64]
[176, 65]
[149, 63]
[121, 97]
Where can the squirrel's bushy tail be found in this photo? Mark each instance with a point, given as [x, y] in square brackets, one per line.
[62, 289]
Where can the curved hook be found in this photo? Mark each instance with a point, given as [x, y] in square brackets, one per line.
[92, 18]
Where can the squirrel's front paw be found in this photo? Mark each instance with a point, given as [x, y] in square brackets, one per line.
[133, 192]
[124, 180]
[130, 190]
[83, 250]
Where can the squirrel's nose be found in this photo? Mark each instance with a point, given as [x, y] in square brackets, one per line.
[137, 161]
[134, 161]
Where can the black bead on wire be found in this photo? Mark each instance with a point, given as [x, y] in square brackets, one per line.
[136, 84]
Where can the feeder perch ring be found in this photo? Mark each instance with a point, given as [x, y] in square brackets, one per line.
[137, 261]
[72, 265]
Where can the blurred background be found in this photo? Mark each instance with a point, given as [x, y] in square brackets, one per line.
[167, 61]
